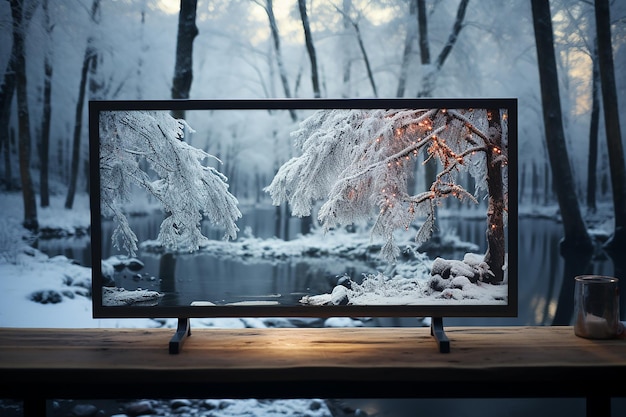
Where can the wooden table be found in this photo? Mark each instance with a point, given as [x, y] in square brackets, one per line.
[483, 362]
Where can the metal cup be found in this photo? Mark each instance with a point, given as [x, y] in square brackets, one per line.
[596, 306]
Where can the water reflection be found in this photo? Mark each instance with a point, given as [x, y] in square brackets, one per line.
[545, 290]
[206, 277]
[546, 277]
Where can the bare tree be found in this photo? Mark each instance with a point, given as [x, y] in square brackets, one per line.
[576, 236]
[7, 89]
[183, 70]
[432, 69]
[578, 22]
[6, 98]
[44, 151]
[592, 162]
[346, 56]
[357, 31]
[611, 120]
[282, 71]
[310, 48]
[90, 55]
[144, 47]
[20, 24]
[411, 34]
[422, 24]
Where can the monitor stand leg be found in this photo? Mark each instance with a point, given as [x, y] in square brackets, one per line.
[182, 332]
[436, 330]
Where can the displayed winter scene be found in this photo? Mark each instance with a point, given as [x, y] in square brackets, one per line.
[345, 221]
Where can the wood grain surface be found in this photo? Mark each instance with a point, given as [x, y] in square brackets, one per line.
[483, 361]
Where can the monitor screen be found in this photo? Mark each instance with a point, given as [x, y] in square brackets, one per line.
[304, 207]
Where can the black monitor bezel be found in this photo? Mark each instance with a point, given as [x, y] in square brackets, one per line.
[100, 311]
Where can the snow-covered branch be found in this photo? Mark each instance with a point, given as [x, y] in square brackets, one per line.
[146, 150]
[358, 162]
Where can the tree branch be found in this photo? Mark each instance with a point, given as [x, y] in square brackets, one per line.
[458, 25]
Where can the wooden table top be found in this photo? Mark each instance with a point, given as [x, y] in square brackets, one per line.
[347, 361]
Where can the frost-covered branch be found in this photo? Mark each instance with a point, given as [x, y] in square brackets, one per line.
[358, 162]
[146, 150]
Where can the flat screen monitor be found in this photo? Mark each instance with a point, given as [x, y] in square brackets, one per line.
[304, 208]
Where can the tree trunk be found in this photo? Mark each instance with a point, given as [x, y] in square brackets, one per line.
[306, 223]
[368, 67]
[310, 48]
[6, 97]
[140, 55]
[183, 70]
[547, 181]
[6, 147]
[422, 25]
[90, 54]
[593, 134]
[576, 237]
[611, 121]
[282, 72]
[346, 56]
[97, 90]
[78, 125]
[7, 90]
[96, 82]
[495, 256]
[430, 73]
[359, 38]
[454, 35]
[44, 154]
[44, 151]
[24, 146]
[408, 50]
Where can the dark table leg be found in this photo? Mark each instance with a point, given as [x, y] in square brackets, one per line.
[598, 406]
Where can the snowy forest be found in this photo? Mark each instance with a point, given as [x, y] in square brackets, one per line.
[562, 60]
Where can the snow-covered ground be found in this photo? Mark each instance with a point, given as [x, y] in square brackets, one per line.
[41, 291]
